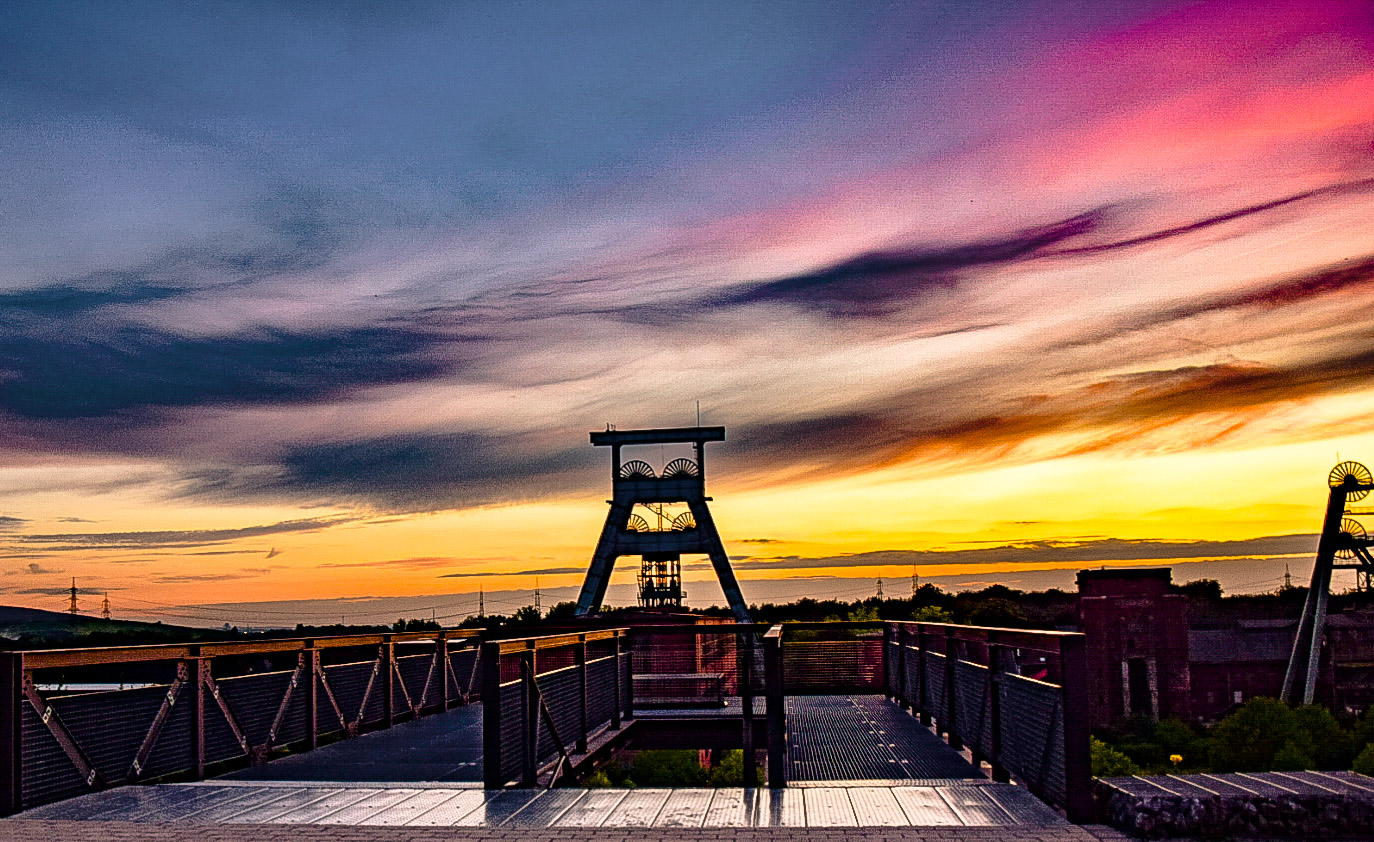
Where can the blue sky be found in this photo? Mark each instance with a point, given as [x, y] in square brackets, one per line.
[379, 268]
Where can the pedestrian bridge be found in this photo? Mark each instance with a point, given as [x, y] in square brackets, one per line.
[841, 725]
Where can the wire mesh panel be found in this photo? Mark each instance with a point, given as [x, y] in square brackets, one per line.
[561, 693]
[512, 721]
[697, 666]
[601, 689]
[1032, 741]
[936, 698]
[545, 696]
[256, 697]
[413, 671]
[840, 661]
[1016, 696]
[110, 728]
[464, 672]
[973, 705]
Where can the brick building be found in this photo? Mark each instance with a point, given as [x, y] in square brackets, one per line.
[1146, 656]
[1137, 644]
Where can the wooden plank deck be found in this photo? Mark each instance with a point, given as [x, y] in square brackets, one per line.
[960, 803]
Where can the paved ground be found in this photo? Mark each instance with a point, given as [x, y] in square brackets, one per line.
[857, 804]
[131, 832]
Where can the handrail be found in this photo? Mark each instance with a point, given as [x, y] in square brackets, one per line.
[519, 644]
[53, 658]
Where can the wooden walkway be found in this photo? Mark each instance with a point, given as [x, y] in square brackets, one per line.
[855, 761]
[957, 804]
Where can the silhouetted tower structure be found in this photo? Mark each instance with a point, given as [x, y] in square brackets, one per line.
[658, 537]
[71, 604]
[105, 606]
[1343, 545]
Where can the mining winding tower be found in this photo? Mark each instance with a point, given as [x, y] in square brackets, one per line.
[644, 520]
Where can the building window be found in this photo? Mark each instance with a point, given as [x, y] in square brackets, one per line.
[1138, 685]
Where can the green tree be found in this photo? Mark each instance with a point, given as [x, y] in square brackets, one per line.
[1332, 747]
[1203, 590]
[1250, 739]
[998, 613]
[526, 616]
[931, 614]
[562, 611]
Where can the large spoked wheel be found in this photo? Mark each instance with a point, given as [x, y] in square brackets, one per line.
[1352, 536]
[1350, 474]
[680, 469]
[636, 470]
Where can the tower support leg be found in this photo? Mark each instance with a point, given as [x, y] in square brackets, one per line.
[603, 560]
[1300, 680]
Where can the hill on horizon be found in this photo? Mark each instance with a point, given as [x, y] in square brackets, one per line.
[34, 628]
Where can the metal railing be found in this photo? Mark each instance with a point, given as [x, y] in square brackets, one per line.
[215, 706]
[1016, 698]
[545, 698]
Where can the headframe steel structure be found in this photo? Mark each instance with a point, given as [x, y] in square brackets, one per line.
[626, 533]
[1343, 545]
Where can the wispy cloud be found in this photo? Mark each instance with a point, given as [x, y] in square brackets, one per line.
[174, 538]
[538, 571]
[1045, 552]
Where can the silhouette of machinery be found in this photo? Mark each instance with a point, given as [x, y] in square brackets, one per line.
[1344, 545]
[644, 520]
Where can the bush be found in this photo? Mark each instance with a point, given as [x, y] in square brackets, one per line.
[729, 771]
[669, 768]
[1364, 764]
[1108, 762]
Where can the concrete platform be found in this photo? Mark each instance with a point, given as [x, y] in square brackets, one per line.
[859, 804]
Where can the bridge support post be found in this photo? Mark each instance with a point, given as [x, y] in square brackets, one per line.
[200, 671]
[996, 653]
[442, 663]
[580, 661]
[388, 654]
[922, 693]
[491, 715]
[777, 716]
[529, 770]
[1078, 767]
[745, 644]
[621, 704]
[312, 696]
[903, 692]
[11, 733]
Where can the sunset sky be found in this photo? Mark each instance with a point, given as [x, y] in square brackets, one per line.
[318, 301]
